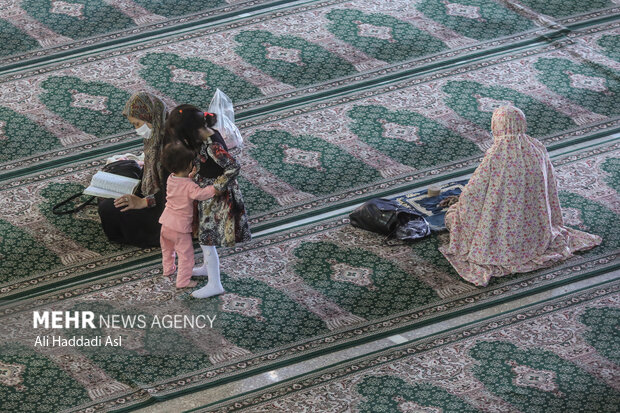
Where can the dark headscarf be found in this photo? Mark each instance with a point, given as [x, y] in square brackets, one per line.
[151, 109]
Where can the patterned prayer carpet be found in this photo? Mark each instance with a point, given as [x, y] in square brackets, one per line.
[39, 248]
[560, 356]
[338, 101]
[290, 296]
[303, 160]
[300, 53]
[33, 30]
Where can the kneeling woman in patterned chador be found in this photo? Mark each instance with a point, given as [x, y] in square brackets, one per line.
[508, 218]
[222, 219]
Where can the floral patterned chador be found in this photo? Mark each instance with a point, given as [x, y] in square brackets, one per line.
[222, 219]
[508, 218]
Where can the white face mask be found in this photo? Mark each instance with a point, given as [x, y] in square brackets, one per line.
[144, 131]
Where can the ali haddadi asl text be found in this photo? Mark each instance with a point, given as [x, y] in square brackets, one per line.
[78, 341]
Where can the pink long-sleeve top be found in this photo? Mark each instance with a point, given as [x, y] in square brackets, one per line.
[180, 194]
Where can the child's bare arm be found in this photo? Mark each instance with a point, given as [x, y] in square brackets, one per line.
[200, 194]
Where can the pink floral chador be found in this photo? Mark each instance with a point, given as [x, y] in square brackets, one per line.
[508, 218]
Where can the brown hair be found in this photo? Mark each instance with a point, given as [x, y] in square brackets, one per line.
[176, 157]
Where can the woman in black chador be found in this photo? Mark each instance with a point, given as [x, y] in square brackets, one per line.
[134, 219]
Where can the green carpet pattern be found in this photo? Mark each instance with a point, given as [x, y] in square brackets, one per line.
[36, 29]
[39, 248]
[362, 139]
[33, 30]
[338, 101]
[292, 53]
[288, 296]
[558, 356]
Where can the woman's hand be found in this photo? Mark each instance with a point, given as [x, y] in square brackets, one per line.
[127, 202]
[449, 201]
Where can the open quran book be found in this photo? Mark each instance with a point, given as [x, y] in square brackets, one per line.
[107, 185]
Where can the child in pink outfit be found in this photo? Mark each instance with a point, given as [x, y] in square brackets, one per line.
[176, 220]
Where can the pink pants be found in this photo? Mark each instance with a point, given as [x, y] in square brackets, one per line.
[172, 241]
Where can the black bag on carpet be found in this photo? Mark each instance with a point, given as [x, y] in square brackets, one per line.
[387, 217]
[128, 168]
[125, 167]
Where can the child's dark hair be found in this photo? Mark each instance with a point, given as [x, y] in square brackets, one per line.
[184, 122]
[176, 157]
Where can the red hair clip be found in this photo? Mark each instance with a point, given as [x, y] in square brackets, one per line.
[180, 110]
[208, 113]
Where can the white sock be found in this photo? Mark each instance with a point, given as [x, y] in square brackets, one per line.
[214, 285]
[203, 271]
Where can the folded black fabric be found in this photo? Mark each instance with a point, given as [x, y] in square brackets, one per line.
[387, 217]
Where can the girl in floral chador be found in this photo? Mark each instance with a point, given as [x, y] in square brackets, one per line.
[222, 219]
[508, 217]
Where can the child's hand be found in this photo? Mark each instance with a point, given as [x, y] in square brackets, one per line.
[202, 194]
[211, 190]
[192, 174]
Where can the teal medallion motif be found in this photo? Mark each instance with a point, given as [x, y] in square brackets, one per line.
[193, 80]
[477, 19]
[408, 137]
[179, 7]
[536, 380]
[595, 219]
[476, 102]
[14, 41]
[565, 8]
[256, 200]
[21, 255]
[612, 167]
[21, 137]
[308, 163]
[148, 352]
[83, 227]
[32, 382]
[611, 46]
[78, 19]
[594, 87]
[382, 37]
[257, 317]
[359, 281]
[94, 107]
[603, 331]
[393, 394]
[290, 59]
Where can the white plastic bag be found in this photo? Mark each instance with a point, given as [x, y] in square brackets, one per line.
[222, 106]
